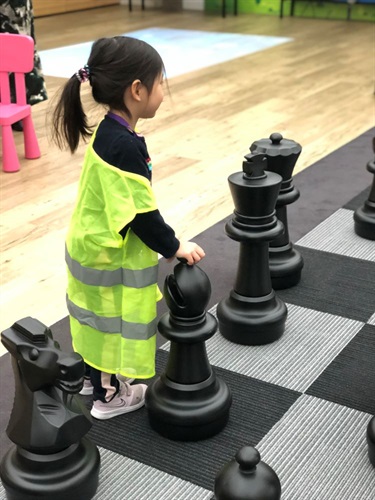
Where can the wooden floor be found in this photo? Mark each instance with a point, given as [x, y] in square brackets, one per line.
[317, 90]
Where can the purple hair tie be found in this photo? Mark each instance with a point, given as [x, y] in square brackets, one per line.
[83, 74]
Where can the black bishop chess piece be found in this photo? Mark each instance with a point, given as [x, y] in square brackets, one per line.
[253, 314]
[371, 440]
[364, 216]
[52, 458]
[247, 478]
[188, 402]
[285, 261]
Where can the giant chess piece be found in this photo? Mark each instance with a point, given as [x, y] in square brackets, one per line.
[286, 262]
[371, 440]
[253, 314]
[364, 217]
[247, 478]
[52, 459]
[188, 402]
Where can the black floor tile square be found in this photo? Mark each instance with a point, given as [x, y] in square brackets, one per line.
[335, 284]
[350, 379]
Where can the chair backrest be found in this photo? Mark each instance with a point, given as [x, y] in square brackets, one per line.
[16, 56]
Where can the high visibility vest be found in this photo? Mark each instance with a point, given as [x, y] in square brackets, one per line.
[112, 282]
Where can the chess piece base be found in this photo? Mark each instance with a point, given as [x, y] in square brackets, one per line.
[72, 473]
[188, 412]
[364, 221]
[371, 440]
[285, 264]
[252, 320]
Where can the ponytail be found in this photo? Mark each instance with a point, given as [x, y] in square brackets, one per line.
[69, 120]
[113, 65]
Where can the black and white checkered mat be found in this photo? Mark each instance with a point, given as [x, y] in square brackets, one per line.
[304, 401]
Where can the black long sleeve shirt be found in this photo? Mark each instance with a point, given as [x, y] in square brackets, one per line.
[122, 148]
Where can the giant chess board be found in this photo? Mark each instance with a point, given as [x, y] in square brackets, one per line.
[304, 401]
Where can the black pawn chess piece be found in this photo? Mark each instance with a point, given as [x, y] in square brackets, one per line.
[364, 217]
[52, 458]
[247, 478]
[286, 262]
[253, 314]
[188, 402]
[371, 440]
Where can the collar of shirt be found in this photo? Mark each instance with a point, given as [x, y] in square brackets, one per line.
[123, 122]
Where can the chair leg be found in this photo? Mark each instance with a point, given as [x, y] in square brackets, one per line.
[10, 157]
[281, 9]
[32, 150]
[292, 8]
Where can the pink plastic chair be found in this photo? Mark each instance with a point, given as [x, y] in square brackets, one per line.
[16, 56]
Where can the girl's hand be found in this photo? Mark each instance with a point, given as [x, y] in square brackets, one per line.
[190, 251]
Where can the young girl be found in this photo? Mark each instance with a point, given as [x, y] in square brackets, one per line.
[116, 230]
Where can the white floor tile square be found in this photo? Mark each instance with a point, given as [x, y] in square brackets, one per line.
[317, 448]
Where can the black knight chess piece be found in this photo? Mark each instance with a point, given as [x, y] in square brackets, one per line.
[52, 458]
[364, 217]
[371, 440]
[247, 478]
[285, 261]
[188, 402]
[253, 314]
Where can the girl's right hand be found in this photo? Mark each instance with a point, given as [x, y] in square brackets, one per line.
[190, 251]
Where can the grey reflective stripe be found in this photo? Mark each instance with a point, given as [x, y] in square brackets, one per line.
[136, 331]
[138, 278]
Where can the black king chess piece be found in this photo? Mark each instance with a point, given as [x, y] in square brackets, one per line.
[247, 478]
[364, 217]
[253, 314]
[52, 459]
[188, 402]
[285, 261]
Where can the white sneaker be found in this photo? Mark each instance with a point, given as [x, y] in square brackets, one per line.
[129, 399]
[88, 388]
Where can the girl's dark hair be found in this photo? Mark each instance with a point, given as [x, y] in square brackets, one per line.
[114, 64]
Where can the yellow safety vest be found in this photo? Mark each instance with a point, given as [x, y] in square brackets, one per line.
[112, 282]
